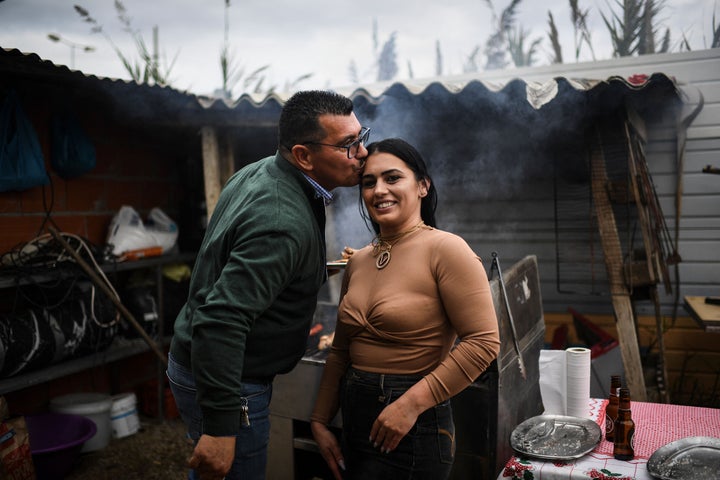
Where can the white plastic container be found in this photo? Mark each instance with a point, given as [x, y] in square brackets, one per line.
[96, 407]
[124, 415]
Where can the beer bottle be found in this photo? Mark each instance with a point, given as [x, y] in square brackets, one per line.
[623, 446]
[611, 409]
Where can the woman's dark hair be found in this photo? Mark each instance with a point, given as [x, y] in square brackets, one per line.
[299, 119]
[412, 158]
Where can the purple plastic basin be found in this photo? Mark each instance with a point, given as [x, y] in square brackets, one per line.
[56, 440]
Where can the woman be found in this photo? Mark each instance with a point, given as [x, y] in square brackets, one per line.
[406, 298]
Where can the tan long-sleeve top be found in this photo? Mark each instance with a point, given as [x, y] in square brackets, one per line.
[405, 318]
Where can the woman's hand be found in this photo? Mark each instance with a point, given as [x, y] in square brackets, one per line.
[396, 420]
[329, 448]
[393, 423]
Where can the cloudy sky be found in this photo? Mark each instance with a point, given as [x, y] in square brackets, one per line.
[294, 38]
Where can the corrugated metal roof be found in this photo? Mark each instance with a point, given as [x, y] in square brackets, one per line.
[18, 62]
[166, 106]
[537, 94]
[154, 104]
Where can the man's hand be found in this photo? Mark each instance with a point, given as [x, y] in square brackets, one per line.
[347, 253]
[213, 457]
[329, 448]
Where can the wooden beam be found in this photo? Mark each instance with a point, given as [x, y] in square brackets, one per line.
[227, 160]
[211, 168]
[612, 250]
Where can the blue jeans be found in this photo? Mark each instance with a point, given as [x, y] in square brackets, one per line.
[251, 441]
[426, 452]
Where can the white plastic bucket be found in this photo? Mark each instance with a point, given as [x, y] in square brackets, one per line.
[96, 407]
[124, 415]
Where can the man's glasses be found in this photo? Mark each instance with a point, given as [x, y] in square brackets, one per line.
[352, 148]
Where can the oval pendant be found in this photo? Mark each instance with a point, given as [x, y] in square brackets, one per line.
[382, 260]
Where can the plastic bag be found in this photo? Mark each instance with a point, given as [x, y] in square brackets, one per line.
[21, 161]
[128, 233]
[73, 154]
[15, 455]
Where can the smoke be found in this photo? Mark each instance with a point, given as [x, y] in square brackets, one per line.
[492, 156]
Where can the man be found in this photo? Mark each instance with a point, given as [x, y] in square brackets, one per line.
[255, 283]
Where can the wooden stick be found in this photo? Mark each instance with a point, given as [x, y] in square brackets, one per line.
[104, 287]
[612, 250]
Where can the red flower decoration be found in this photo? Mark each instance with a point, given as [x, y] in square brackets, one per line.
[515, 469]
[606, 475]
[637, 79]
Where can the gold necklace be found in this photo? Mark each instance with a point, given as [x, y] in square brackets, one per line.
[382, 245]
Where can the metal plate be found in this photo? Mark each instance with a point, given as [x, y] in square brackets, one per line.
[336, 264]
[555, 437]
[687, 458]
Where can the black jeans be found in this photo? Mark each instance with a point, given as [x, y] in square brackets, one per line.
[426, 452]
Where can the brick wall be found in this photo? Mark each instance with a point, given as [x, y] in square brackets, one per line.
[131, 170]
[134, 166]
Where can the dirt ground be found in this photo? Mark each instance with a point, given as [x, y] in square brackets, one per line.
[158, 451]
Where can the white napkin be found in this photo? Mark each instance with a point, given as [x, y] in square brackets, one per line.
[565, 381]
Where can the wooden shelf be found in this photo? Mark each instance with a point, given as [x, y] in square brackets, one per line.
[148, 262]
[705, 314]
[9, 280]
[119, 349]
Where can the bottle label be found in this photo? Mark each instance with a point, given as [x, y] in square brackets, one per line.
[631, 439]
[609, 425]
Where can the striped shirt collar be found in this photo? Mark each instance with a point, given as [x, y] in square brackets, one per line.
[320, 192]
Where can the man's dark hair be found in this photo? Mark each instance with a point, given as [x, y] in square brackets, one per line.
[299, 117]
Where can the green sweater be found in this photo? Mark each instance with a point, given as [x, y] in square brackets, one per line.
[254, 287]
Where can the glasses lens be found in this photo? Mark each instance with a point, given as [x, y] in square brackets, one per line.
[364, 136]
[355, 146]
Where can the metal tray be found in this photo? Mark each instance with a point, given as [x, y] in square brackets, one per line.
[687, 458]
[336, 264]
[555, 437]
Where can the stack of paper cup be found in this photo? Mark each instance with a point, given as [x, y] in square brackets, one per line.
[578, 381]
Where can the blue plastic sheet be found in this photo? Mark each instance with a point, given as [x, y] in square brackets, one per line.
[22, 165]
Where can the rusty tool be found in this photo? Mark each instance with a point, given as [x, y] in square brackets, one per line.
[496, 265]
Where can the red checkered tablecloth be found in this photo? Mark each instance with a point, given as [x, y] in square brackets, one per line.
[657, 424]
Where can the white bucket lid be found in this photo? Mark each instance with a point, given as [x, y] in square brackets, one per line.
[82, 403]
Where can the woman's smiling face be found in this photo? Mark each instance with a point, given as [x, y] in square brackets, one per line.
[391, 193]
